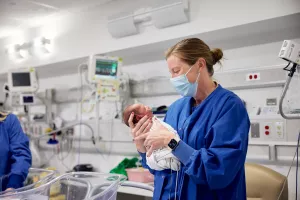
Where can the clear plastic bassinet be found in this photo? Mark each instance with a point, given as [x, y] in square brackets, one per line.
[71, 186]
[34, 178]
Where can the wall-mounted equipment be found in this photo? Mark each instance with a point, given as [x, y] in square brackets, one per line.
[122, 25]
[104, 67]
[161, 14]
[272, 127]
[169, 13]
[27, 99]
[290, 51]
[268, 128]
[23, 81]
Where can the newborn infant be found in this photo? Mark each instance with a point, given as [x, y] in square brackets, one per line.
[162, 158]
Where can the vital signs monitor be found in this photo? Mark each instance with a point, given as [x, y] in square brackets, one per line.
[22, 80]
[103, 67]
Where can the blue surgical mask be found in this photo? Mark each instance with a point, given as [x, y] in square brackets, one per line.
[183, 86]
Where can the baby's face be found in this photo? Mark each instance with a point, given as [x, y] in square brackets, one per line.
[141, 111]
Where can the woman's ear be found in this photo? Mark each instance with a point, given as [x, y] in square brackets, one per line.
[201, 63]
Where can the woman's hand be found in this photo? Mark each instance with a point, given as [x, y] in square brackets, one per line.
[156, 139]
[142, 127]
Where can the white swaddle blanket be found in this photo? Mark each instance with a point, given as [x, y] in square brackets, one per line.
[163, 158]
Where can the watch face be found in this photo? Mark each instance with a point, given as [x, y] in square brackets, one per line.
[172, 144]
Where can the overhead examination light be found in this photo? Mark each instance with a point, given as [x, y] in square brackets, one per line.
[161, 14]
[122, 25]
[169, 13]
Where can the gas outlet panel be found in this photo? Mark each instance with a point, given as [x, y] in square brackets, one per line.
[268, 129]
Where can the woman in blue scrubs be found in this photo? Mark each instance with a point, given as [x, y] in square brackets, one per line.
[15, 156]
[213, 126]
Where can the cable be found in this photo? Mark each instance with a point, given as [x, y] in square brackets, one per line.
[69, 126]
[91, 107]
[289, 171]
[286, 67]
[117, 111]
[297, 166]
[61, 160]
[111, 130]
[78, 88]
[68, 152]
[80, 120]
[171, 181]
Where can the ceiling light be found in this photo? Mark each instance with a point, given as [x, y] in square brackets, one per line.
[14, 51]
[42, 44]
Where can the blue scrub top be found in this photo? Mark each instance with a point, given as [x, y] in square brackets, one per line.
[212, 150]
[15, 156]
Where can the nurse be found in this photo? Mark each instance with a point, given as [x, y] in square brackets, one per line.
[213, 127]
[15, 156]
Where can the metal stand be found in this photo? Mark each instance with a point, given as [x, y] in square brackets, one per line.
[286, 87]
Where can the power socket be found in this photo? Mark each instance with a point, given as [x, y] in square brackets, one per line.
[253, 77]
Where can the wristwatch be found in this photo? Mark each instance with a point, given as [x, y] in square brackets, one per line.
[174, 143]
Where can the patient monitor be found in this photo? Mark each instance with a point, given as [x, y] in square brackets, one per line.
[103, 67]
[22, 80]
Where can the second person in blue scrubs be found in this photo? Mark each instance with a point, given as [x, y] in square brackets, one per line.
[213, 126]
[15, 155]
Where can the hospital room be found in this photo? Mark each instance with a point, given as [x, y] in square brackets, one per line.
[149, 99]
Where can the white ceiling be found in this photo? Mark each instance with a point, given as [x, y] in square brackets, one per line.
[16, 15]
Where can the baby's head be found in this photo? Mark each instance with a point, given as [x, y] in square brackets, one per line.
[139, 111]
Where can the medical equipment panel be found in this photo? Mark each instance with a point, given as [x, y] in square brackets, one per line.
[272, 128]
[290, 51]
[103, 67]
[22, 80]
[27, 99]
[268, 128]
[108, 90]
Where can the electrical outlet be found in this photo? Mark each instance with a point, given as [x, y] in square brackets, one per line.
[279, 130]
[253, 77]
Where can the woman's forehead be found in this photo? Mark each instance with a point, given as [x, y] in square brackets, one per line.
[174, 61]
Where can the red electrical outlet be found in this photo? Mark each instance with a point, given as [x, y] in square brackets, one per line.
[253, 77]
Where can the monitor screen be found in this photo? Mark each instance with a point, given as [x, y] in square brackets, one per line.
[28, 99]
[21, 79]
[106, 68]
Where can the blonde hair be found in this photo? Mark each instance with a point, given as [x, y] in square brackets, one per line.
[191, 49]
[3, 115]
